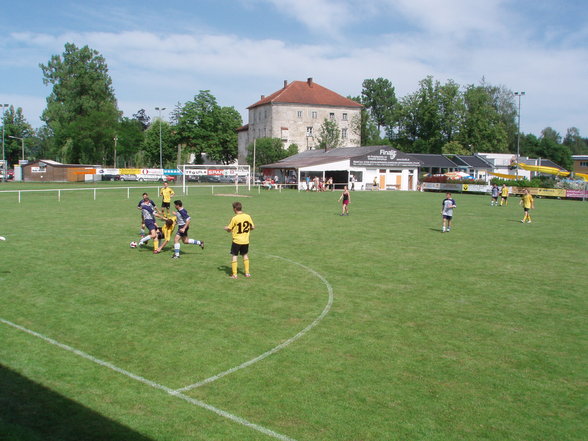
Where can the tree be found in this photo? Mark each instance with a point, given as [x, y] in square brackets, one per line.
[575, 142]
[15, 124]
[205, 127]
[81, 109]
[224, 148]
[379, 98]
[364, 128]
[483, 128]
[292, 150]
[549, 147]
[130, 137]
[149, 154]
[329, 135]
[419, 119]
[454, 148]
[451, 110]
[267, 151]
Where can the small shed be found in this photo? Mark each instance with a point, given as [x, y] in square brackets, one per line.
[47, 170]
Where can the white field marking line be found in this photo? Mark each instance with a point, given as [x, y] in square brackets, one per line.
[281, 345]
[154, 385]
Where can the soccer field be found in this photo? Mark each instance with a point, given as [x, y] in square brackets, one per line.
[373, 326]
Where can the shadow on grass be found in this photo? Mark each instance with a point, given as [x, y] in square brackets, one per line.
[225, 269]
[31, 412]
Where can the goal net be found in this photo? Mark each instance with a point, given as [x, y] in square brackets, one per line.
[216, 175]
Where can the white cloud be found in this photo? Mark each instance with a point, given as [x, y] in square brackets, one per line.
[150, 69]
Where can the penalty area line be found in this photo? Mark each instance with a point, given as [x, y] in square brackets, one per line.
[153, 384]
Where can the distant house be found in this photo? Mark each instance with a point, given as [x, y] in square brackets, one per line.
[580, 163]
[295, 114]
[47, 170]
[362, 168]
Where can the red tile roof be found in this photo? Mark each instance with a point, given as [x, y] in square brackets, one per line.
[306, 92]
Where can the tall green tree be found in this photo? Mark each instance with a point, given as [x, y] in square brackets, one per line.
[551, 148]
[130, 137]
[81, 109]
[451, 110]
[15, 124]
[483, 129]
[575, 142]
[149, 154]
[267, 151]
[379, 98]
[419, 119]
[329, 135]
[205, 127]
[364, 128]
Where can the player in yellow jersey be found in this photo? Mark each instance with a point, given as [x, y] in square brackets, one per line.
[166, 194]
[504, 195]
[167, 230]
[528, 203]
[240, 226]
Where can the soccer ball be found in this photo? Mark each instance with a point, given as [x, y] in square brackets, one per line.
[133, 244]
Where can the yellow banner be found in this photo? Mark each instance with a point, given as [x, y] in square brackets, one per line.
[130, 171]
[551, 192]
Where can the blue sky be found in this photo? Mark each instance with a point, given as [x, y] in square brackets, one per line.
[160, 53]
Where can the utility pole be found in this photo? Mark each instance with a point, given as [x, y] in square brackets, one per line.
[519, 95]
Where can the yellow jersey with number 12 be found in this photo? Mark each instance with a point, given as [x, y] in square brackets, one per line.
[241, 225]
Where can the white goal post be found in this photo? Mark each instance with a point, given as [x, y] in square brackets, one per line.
[215, 175]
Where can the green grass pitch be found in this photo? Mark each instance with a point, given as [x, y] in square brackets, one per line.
[476, 334]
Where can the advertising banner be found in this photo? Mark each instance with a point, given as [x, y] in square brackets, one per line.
[476, 188]
[549, 192]
[130, 171]
[577, 194]
[385, 157]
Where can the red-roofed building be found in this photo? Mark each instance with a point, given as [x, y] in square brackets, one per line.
[295, 114]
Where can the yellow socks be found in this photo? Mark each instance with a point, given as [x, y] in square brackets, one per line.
[246, 264]
[234, 267]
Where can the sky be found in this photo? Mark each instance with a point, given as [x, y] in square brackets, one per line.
[161, 53]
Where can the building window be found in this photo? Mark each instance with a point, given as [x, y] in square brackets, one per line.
[309, 131]
[344, 117]
[344, 133]
[314, 115]
[299, 114]
[331, 116]
[583, 163]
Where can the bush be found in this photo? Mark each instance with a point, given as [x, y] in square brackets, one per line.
[536, 182]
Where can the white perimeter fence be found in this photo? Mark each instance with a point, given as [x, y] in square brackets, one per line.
[216, 188]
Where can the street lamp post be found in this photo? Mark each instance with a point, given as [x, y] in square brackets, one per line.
[115, 141]
[21, 144]
[518, 95]
[4, 106]
[160, 109]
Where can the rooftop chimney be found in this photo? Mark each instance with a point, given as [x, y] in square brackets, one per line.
[285, 83]
[309, 82]
[262, 96]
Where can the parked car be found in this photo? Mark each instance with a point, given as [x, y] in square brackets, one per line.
[129, 178]
[111, 177]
